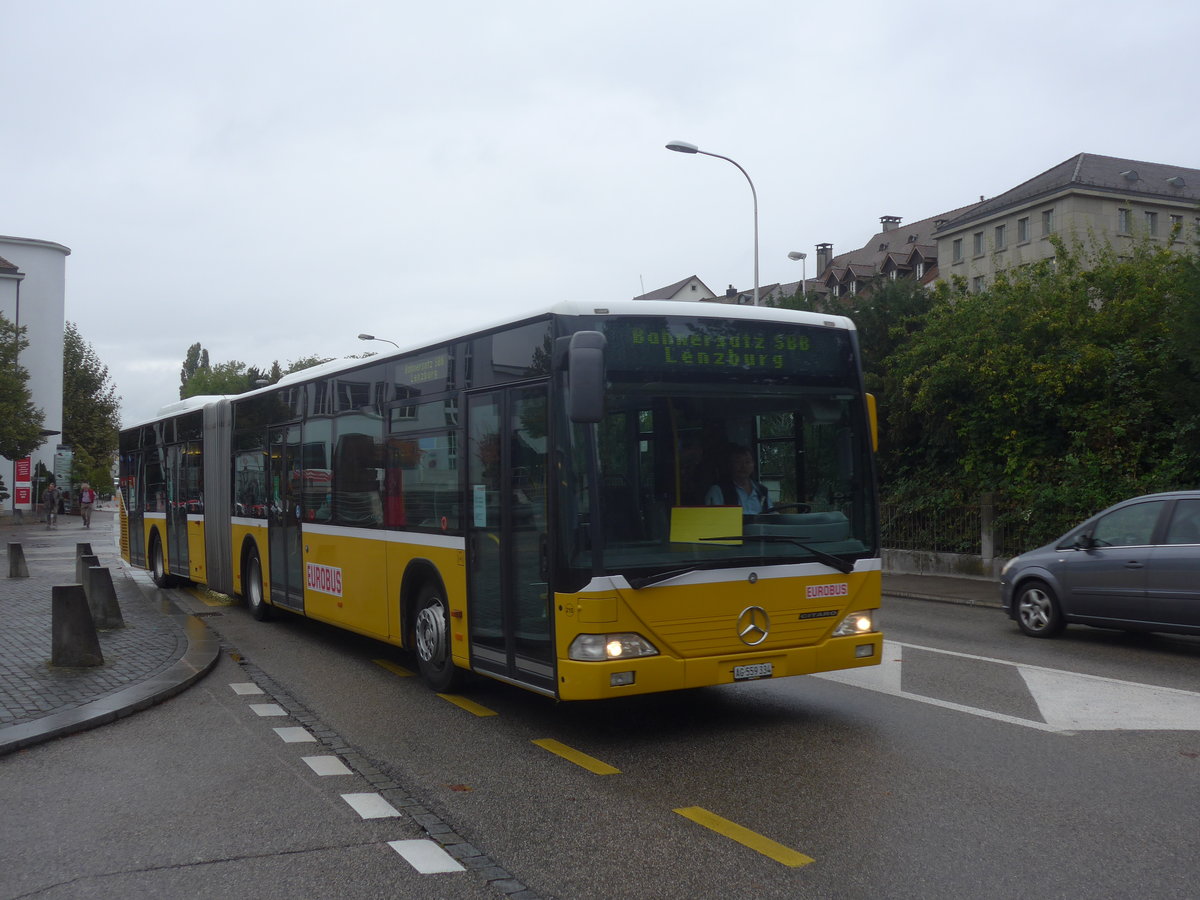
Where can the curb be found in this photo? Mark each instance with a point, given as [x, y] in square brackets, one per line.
[198, 659]
[957, 601]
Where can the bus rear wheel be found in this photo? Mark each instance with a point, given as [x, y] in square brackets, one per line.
[158, 565]
[431, 633]
[252, 588]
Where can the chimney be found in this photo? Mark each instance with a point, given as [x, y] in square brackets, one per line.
[731, 291]
[889, 222]
[824, 257]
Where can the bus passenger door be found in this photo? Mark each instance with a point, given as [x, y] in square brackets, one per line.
[283, 519]
[177, 540]
[508, 593]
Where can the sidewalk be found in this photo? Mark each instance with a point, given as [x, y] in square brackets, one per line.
[158, 653]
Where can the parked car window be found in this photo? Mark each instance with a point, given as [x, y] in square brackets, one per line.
[1132, 526]
[1185, 523]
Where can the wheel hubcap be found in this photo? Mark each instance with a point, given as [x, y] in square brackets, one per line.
[431, 632]
[254, 589]
[1035, 610]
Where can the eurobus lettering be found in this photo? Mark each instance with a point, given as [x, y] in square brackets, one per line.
[575, 501]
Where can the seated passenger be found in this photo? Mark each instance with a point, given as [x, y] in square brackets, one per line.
[741, 489]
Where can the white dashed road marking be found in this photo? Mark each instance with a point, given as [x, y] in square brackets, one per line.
[268, 709]
[295, 735]
[426, 857]
[327, 765]
[371, 806]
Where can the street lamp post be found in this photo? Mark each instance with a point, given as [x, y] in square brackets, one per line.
[685, 147]
[371, 337]
[796, 254]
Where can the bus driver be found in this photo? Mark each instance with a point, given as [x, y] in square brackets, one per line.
[741, 489]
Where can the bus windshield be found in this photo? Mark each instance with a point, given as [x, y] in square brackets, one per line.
[705, 464]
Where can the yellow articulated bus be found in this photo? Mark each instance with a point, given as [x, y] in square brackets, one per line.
[585, 502]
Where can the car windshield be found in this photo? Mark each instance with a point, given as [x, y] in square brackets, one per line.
[700, 476]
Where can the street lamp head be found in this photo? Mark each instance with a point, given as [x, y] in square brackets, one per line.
[371, 337]
[683, 147]
[796, 254]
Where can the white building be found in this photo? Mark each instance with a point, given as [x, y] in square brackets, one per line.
[33, 296]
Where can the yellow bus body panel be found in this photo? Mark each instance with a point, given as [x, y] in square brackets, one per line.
[695, 629]
[197, 570]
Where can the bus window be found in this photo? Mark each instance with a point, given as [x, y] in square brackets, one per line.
[357, 488]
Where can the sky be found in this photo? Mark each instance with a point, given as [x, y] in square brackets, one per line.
[272, 178]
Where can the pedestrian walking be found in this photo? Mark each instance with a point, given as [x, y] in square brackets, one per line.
[51, 499]
[87, 497]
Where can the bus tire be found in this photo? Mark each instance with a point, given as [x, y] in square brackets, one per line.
[252, 588]
[158, 565]
[431, 639]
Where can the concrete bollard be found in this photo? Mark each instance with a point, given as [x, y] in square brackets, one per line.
[73, 633]
[102, 598]
[83, 548]
[82, 564]
[17, 568]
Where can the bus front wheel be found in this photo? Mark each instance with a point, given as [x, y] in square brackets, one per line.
[431, 631]
[252, 586]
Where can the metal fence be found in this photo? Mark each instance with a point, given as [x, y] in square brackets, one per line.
[959, 529]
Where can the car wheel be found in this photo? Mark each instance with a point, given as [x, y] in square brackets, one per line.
[252, 588]
[1038, 612]
[431, 633]
[158, 565]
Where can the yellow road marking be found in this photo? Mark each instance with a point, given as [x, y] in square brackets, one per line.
[746, 837]
[469, 705]
[394, 668]
[580, 759]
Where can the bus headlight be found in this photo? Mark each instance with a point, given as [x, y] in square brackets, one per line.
[594, 647]
[860, 622]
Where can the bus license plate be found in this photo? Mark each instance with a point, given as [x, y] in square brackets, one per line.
[748, 673]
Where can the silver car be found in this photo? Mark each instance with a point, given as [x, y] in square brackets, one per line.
[1134, 566]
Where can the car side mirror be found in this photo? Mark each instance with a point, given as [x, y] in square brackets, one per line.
[1083, 542]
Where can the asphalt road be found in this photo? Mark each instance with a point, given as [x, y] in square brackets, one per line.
[974, 762]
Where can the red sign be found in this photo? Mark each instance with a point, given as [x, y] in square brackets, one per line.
[23, 468]
[21, 496]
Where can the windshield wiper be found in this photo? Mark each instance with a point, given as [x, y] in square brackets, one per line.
[835, 562]
[647, 580]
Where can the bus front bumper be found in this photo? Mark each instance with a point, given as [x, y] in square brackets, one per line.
[621, 678]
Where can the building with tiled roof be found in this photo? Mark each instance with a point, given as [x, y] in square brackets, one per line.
[898, 251]
[1087, 198]
[690, 288]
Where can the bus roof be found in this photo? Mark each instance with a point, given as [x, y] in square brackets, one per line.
[701, 309]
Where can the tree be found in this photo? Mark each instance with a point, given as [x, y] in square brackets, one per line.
[195, 361]
[231, 377]
[91, 410]
[200, 378]
[1067, 386]
[20, 421]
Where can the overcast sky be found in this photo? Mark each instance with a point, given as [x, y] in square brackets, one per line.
[273, 178]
